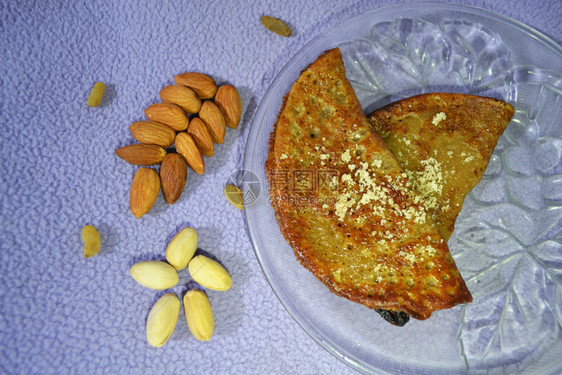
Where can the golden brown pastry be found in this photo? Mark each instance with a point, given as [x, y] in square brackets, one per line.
[444, 143]
[346, 206]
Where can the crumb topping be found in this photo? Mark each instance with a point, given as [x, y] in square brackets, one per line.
[346, 156]
[428, 182]
[438, 118]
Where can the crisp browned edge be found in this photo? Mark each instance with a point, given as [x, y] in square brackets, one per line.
[456, 97]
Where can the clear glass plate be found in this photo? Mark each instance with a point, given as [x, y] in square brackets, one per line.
[508, 237]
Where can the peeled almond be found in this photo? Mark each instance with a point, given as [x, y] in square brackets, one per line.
[162, 320]
[209, 273]
[181, 248]
[154, 274]
[199, 314]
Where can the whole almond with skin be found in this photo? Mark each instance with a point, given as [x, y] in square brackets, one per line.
[186, 146]
[228, 101]
[141, 154]
[209, 273]
[162, 319]
[183, 96]
[167, 113]
[203, 85]
[214, 119]
[198, 130]
[173, 176]
[144, 191]
[154, 274]
[199, 314]
[181, 248]
[153, 133]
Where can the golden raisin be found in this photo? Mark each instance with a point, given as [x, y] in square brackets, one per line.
[276, 25]
[96, 94]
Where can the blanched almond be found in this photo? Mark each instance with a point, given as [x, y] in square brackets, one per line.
[167, 113]
[214, 119]
[154, 274]
[199, 314]
[181, 248]
[209, 273]
[162, 319]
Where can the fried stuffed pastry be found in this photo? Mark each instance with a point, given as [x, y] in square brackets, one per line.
[346, 206]
[444, 143]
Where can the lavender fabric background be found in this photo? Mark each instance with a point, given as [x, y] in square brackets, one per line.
[61, 313]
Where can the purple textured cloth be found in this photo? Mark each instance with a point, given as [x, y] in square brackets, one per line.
[61, 313]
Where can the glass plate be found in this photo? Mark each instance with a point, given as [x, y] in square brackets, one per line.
[508, 238]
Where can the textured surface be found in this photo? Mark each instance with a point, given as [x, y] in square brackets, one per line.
[60, 313]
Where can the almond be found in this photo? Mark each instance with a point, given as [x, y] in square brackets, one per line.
[214, 119]
[144, 191]
[181, 248]
[202, 84]
[209, 273]
[162, 319]
[198, 130]
[199, 314]
[169, 114]
[228, 101]
[186, 146]
[182, 96]
[141, 154]
[173, 175]
[153, 133]
[155, 274]
[91, 239]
